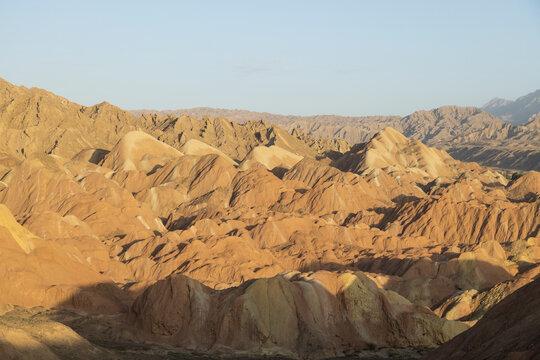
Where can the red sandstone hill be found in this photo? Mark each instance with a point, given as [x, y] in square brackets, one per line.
[164, 235]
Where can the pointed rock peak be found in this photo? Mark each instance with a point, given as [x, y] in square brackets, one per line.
[101, 108]
[199, 148]
[390, 135]
[260, 122]
[106, 105]
[138, 150]
[271, 157]
[496, 101]
[136, 135]
[139, 139]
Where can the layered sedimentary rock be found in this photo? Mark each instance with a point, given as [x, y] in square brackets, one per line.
[216, 237]
[319, 315]
[507, 331]
[467, 133]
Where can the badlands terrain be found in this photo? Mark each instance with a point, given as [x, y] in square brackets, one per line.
[167, 236]
[466, 133]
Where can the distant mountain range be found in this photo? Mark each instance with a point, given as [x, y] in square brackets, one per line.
[467, 133]
[353, 129]
[515, 112]
[37, 121]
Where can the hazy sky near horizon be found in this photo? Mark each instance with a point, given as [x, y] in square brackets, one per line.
[287, 57]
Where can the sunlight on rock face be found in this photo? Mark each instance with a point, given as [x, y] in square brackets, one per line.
[166, 236]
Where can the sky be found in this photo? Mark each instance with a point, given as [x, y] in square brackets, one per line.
[286, 57]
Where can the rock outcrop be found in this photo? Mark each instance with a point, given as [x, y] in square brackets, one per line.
[208, 236]
[467, 133]
[507, 331]
[316, 316]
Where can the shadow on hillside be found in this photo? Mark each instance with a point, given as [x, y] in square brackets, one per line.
[98, 313]
[402, 199]
[509, 330]
[40, 335]
[429, 267]
[118, 338]
[98, 316]
[279, 171]
[97, 156]
[181, 223]
[530, 197]
[331, 154]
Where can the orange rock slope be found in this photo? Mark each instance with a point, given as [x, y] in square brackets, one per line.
[222, 238]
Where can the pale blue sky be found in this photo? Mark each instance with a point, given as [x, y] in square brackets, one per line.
[290, 57]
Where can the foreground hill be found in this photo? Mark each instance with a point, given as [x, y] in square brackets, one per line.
[467, 133]
[507, 331]
[176, 237]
